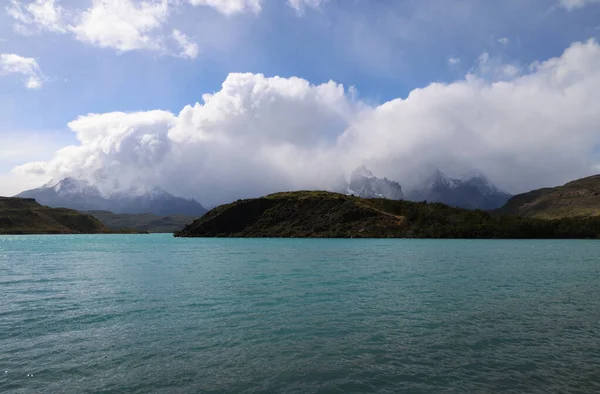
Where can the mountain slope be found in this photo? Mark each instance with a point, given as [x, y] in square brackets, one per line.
[82, 196]
[577, 198]
[474, 192]
[25, 216]
[364, 184]
[331, 215]
[143, 221]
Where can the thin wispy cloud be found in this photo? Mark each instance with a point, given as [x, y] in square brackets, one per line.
[25, 68]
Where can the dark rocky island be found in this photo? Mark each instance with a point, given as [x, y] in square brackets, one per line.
[316, 214]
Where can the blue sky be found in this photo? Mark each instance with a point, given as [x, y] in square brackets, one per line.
[384, 48]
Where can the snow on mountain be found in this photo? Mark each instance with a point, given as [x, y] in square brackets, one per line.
[75, 186]
[363, 172]
[474, 191]
[81, 195]
[482, 183]
[364, 184]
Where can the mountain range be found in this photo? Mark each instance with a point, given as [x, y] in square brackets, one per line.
[473, 192]
[81, 195]
[364, 184]
[574, 210]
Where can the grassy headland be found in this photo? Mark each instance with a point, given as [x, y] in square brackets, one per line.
[318, 214]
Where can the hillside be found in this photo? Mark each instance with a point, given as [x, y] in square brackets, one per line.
[330, 215]
[577, 198]
[142, 222]
[25, 216]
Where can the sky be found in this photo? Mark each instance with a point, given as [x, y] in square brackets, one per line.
[224, 99]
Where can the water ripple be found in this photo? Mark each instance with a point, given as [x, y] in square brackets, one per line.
[154, 314]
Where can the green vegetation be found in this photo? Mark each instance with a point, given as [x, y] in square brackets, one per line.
[25, 216]
[318, 214]
[580, 198]
[142, 222]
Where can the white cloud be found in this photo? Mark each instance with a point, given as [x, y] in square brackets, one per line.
[230, 7]
[300, 5]
[122, 24]
[258, 135]
[453, 60]
[27, 67]
[504, 41]
[38, 16]
[493, 68]
[576, 4]
[189, 49]
[15, 147]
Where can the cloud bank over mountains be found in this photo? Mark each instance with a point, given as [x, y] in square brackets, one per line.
[531, 127]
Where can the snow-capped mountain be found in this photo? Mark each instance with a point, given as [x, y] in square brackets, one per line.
[81, 195]
[364, 184]
[474, 191]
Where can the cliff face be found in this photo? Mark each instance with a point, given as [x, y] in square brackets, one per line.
[26, 216]
[311, 214]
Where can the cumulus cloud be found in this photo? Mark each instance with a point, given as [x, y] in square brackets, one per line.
[258, 135]
[122, 24]
[26, 67]
[188, 48]
[576, 4]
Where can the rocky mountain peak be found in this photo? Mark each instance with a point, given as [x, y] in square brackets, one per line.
[81, 195]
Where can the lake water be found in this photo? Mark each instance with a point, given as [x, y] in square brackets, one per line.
[151, 313]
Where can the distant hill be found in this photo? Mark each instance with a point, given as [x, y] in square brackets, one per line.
[309, 214]
[81, 195]
[25, 216]
[473, 192]
[576, 198]
[143, 221]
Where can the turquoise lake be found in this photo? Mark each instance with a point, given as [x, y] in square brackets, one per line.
[155, 314]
